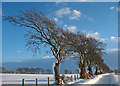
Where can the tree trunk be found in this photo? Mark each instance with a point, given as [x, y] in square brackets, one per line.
[96, 71]
[90, 70]
[57, 74]
[83, 71]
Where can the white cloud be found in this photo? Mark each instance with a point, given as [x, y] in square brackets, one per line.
[114, 38]
[84, 31]
[96, 36]
[70, 28]
[63, 11]
[72, 14]
[96, 33]
[91, 19]
[112, 50]
[47, 57]
[111, 8]
[65, 25]
[103, 39]
[75, 15]
[117, 39]
[58, 21]
[19, 51]
[55, 19]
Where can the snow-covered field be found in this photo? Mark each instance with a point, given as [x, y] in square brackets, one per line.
[29, 78]
[109, 78]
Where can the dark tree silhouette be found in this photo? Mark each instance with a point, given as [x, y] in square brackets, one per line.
[2, 70]
[70, 71]
[42, 70]
[20, 70]
[66, 71]
[48, 70]
[26, 70]
[38, 70]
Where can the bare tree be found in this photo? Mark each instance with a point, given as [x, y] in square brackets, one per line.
[66, 71]
[48, 70]
[26, 70]
[32, 70]
[88, 51]
[38, 70]
[20, 70]
[2, 70]
[42, 31]
[70, 71]
[42, 70]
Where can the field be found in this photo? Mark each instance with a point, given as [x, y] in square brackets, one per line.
[109, 78]
[29, 78]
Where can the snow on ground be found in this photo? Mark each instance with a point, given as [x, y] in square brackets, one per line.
[91, 80]
[109, 78]
[29, 78]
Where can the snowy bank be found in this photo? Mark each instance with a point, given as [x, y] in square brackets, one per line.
[108, 78]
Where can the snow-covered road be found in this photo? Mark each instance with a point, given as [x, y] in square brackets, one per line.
[109, 78]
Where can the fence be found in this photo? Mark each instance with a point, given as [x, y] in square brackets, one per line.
[75, 78]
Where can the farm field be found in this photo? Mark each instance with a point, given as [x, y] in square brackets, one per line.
[109, 78]
[29, 78]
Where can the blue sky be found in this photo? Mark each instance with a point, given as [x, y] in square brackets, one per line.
[60, 0]
[99, 20]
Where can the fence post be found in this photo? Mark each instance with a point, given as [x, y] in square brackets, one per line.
[71, 78]
[36, 82]
[23, 82]
[77, 76]
[48, 81]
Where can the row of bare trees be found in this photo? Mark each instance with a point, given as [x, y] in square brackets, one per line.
[43, 31]
[32, 70]
[89, 54]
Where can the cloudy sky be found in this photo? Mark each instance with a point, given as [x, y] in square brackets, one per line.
[99, 20]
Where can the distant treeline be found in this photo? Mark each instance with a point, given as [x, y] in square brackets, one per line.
[26, 70]
[42, 71]
[35, 71]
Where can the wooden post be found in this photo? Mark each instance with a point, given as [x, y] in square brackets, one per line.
[36, 82]
[77, 76]
[71, 78]
[23, 82]
[48, 81]
[74, 77]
